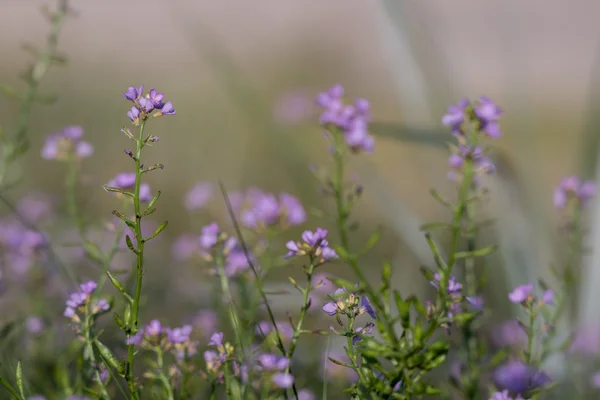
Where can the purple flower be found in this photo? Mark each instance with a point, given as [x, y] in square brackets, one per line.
[454, 287]
[517, 377]
[133, 93]
[314, 244]
[34, 325]
[88, 287]
[179, 335]
[167, 109]
[292, 208]
[511, 333]
[548, 297]
[101, 305]
[361, 331]
[134, 114]
[367, 306]
[455, 116]
[209, 236]
[198, 196]
[488, 114]
[156, 98]
[216, 339]
[571, 188]
[283, 380]
[504, 396]
[520, 293]
[59, 145]
[330, 308]
[154, 328]
[305, 394]
[351, 120]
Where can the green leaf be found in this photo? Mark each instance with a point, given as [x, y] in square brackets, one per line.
[117, 190]
[152, 202]
[93, 251]
[130, 245]
[436, 225]
[119, 321]
[403, 309]
[107, 355]
[158, 230]
[333, 360]
[19, 376]
[427, 273]
[11, 389]
[123, 218]
[476, 253]
[436, 252]
[119, 286]
[435, 194]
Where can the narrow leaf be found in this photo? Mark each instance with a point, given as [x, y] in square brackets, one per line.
[158, 230]
[119, 286]
[476, 253]
[19, 375]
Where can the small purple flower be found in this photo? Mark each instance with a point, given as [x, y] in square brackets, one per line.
[504, 395]
[548, 297]
[154, 328]
[292, 208]
[330, 308]
[134, 114]
[34, 325]
[305, 394]
[283, 380]
[59, 145]
[517, 377]
[314, 244]
[156, 98]
[198, 196]
[520, 293]
[571, 188]
[179, 335]
[367, 306]
[209, 236]
[88, 287]
[167, 109]
[455, 116]
[488, 114]
[476, 302]
[362, 331]
[216, 339]
[136, 339]
[101, 305]
[133, 93]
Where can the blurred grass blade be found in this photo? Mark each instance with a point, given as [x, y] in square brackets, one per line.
[409, 134]
[418, 63]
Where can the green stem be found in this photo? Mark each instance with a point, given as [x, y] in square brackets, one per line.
[530, 334]
[71, 186]
[90, 351]
[342, 222]
[164, 380]
[133, 322]
[303, 310]
[235, 322]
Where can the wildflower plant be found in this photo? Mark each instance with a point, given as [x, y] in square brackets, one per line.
[389, 345]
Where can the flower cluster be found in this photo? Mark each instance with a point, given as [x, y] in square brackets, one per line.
[482, 164]
[62, 144]
[523, 294]
[519, 378]
[484, 113]
[314, 244]
[155, 335]
[454, 291]
[126, 181]
[217, 358]
[258, 210]
[275, 368]
[351, 120]
[572, 189]
[145, 106]
[348, 303]
[79, 300]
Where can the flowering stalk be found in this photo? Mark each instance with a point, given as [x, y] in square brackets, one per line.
[304, 308]
[88, 337]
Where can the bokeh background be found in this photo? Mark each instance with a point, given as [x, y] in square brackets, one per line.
[243, 75]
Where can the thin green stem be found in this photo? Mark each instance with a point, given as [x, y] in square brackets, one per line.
[235, 322]
[530, 334]
[133, 322]
[90, 351]
[71, 186]
[342, 222]
[305, 304]
[163, 378]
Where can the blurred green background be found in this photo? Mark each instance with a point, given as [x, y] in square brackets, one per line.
[242, 76]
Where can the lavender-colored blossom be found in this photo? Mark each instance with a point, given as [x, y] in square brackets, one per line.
[314, 244]
[351, 120]
[134, 114]
[179, 335]
[209, 236]
[454, 287]
[455, 116]
[283, 380]
[517, 377]
[305, 394]
[476, 302]
[330, 308]
[362, 331]
[571, 188]
[134, 93]
[504, 395]
[366, 304]
[216, 339]
[548, 296]
[520, 293]
[156, 98]
[101, 305]
[292, 208]
[88, 287]
[198, 196]
[59, 145]
[167, 109]
[34, 325]
[154, 329]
